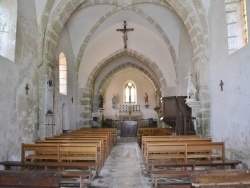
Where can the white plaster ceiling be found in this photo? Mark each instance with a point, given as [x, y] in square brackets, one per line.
[151, 24]
[83, 20]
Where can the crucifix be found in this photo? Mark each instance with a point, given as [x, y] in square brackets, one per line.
[221, 85]
[125, 33]
[27, 89]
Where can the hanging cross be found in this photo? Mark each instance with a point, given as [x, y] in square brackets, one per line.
[221, 85]
[27, 89]
[125, 33]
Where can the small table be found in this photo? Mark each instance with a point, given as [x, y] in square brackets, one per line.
[220, 178]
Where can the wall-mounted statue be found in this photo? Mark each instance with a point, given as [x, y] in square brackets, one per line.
[146, 98]
[100, 101]
[191, 90]
[113, 100]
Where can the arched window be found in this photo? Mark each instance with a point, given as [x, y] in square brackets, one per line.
[236, 24]
[8, 19]
[62, 74]
[130, 92]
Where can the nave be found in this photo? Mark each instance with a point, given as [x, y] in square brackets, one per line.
[114, 161]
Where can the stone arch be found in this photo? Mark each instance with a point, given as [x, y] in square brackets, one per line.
[184, 10]
[198, 33]
[159, 83]
[42, 29]
[148, 18]
[108, 76]
[152, 65]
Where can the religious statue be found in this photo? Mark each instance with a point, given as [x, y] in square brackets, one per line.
[125, 33]
[50, 83]
[157, 100]
[191, 90]
[113, 100]
[146, 98]
[125, 38]
[100, 101]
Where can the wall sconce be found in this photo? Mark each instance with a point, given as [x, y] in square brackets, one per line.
[27, 88]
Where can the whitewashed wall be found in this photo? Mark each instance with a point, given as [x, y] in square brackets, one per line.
[230, 108]
[64, 45]
[116, 87]
[18, 111]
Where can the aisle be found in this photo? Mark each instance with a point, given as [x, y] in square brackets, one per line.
[124, 167]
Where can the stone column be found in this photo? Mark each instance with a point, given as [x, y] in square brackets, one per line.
[202, 73]
[84, 108]
[194, 105]
[45, 128]
[100, 110]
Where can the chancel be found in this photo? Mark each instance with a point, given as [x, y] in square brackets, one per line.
[108, 93]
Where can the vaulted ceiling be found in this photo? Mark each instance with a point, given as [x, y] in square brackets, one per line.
[164, 39]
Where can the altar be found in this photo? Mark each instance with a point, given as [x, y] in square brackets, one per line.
[129, 128]
[129, 117]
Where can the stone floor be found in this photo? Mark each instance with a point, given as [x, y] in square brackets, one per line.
[124, 167]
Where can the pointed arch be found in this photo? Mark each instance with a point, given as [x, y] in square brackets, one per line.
[159, 83]
[195, 22]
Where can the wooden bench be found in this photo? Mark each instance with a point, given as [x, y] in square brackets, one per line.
[78, 137]
[29, 179]
[186, 152]
[162, 141]
[112, 131]
[152, 132]
[99, 142]
[196, 154]
[60, 167]
[87, 154]
[167, 152]
[83, 138]
[145, 138]
[97, 132]
[70, 160]
[220, 178]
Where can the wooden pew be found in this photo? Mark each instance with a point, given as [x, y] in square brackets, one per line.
[168, 136]
[29, 179]
[196, 154]
[80, 159]
[86, 154]
[110, 132]
[99, 142]
[166, 153]
[79, 137]
[150, 131]
[220, 178]
[159, 141]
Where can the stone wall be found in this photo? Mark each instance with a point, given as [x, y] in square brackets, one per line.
[229, 108]
[18, 110]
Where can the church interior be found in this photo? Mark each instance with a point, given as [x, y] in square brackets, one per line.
[108, 69]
